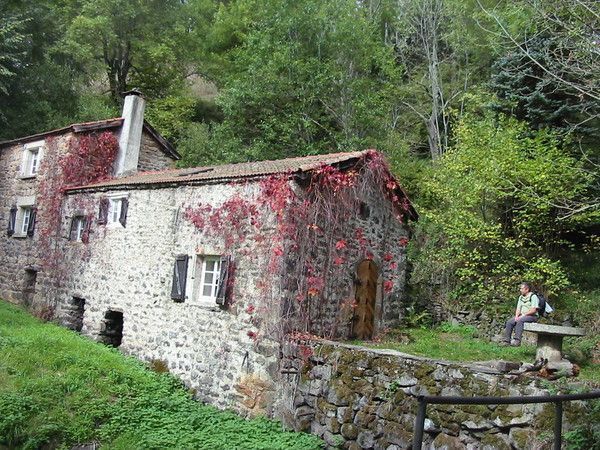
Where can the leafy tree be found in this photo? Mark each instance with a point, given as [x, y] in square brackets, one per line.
[41, 93]
[12, 49]
[490, 216]
[131, 41]
[307, 77]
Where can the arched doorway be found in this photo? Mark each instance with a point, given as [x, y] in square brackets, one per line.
[363, 320]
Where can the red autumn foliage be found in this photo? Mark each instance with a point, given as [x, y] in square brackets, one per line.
[318, 213]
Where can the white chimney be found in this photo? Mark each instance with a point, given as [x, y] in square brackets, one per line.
[130, 138]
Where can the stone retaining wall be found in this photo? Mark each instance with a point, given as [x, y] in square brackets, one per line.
[358, 398]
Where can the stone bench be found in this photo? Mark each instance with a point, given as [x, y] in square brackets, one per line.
[550, 338]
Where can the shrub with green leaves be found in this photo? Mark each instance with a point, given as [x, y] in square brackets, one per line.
[491, 214]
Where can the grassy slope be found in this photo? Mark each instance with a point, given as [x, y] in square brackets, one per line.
[458, 343]
[58, 389]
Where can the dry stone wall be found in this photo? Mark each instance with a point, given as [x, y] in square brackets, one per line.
[360, 398]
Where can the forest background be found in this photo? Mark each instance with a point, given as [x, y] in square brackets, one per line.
[487, 110]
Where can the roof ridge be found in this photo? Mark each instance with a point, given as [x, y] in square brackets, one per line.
[228, 171]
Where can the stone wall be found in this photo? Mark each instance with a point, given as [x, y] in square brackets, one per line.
[230, 354]
[151, 155]
[18, 254]
[362, 398]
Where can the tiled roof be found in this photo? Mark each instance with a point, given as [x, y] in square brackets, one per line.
[211, 174]
[116, 122]
[75, 128]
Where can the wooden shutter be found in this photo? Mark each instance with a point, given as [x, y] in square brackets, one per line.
[179, 278]
[73, 228]
[12, 220]
[223, 279]
[31, 225]
[103, 211]
[85, 237]
[123, 215]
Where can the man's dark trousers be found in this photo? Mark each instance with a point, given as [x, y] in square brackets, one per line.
[517, 325]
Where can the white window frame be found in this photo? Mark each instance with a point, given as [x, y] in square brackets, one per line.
[32, 158]
[115, 204]
[25, 213]
[200, 275]
[25, 207]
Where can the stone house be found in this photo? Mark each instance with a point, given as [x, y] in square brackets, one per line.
[25, 171]
[206, 270]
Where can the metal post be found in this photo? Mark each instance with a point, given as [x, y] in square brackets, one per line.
[558, 425]
[419, 423]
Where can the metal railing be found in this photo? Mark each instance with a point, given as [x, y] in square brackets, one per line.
[558, 400]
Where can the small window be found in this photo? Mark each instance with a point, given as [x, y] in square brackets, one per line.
[209, 277]
[24, 222]
[32, 156]
[114, 209]
[212, 276]
[78, 226]
[26, 217]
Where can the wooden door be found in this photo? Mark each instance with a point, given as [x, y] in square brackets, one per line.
[366, 291]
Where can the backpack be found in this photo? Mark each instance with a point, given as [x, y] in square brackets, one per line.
[542, 309]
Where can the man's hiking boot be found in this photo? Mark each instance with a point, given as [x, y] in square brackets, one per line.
[515, 343]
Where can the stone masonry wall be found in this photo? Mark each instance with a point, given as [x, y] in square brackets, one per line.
[360, 398]
[213, 349]
[151, 156]
[19, 253]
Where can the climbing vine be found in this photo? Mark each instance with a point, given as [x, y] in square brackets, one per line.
[80, 160]
[308, 229]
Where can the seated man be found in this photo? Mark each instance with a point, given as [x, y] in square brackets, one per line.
[527, 311]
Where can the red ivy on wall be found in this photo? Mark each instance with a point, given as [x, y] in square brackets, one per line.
[315, 241]
[83, 159]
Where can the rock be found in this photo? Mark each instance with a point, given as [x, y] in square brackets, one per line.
[321, 372]
[525, 419]
[477, 426]
[332, 440]
[506, 366]
[446, 442]
[455, 373]
[352, 446]
[405, 381]
[332, 425]
[497, 441]
[349, 431]
[519, 438]
[366, 439]
[339, 394]
[345, 414]
[430, 426]
[304, 411]
[395, 434]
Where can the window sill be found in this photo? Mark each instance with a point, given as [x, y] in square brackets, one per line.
[27, 177]
[202, 305]
[19, 235]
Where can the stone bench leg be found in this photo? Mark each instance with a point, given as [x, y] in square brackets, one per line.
[549, 347]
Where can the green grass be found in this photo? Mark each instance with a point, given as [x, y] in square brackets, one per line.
[459, 343]
[58, 389]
